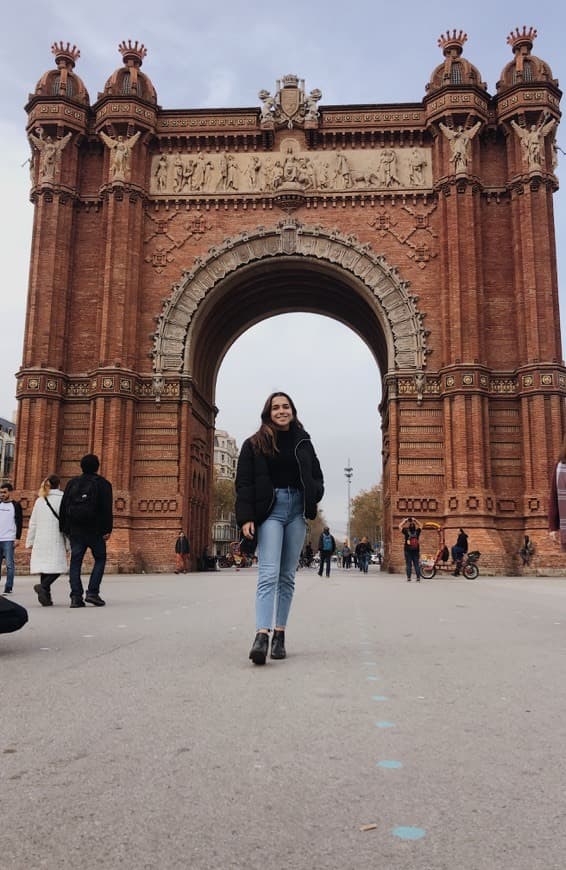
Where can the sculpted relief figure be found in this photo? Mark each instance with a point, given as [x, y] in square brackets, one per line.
[178, 176]
[342, 172]
[120, 152]
[532, 142]
[291, 167]
[202, 170]
[162, 173]
[460, 144]
[228, 179]
[255, 173]
[388, 168]
[50, 153]
[417, 165]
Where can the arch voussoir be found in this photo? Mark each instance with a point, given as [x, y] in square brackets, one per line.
[398, 308]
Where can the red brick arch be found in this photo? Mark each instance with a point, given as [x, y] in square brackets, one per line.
[288, 267]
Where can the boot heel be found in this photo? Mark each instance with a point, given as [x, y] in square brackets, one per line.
[258, 652]
[278, 645]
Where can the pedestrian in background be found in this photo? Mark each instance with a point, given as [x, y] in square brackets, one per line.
[411, 530]
[11, 521]
[182, 550]
[326, 549]
[48, 544]
[363, 552]
[557, 499]
[459, 550]
[278, 483]
[86, 518]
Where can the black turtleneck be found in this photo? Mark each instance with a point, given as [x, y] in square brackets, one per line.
[283, 465]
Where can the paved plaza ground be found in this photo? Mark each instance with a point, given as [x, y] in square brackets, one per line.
[411, 726]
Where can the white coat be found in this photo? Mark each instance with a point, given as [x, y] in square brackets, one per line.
[48, 553]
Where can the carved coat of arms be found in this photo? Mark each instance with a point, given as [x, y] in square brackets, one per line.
[290, 105]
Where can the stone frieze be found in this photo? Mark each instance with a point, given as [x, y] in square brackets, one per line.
[180, 174]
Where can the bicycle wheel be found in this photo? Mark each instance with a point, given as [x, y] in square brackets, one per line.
[428, 572]
[471, 571]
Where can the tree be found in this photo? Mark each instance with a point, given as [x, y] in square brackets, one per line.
[366, 514]
[223, 498]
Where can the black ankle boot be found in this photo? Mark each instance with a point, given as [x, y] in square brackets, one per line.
[278, 645]
[258, 652]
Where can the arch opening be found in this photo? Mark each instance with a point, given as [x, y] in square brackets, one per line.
[334, 380]
[262, 291]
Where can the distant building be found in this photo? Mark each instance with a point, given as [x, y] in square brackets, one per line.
[7, 447]
[225, 454]
[224, 527]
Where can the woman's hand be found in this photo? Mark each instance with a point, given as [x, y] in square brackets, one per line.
[248, 530]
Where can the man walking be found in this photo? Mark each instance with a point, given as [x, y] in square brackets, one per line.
[326, 548]
[182, 550]
[85, 516]
[10, 532]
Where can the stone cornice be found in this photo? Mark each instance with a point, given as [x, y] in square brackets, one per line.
[535, 379]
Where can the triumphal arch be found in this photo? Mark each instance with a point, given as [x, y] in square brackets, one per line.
[161, 235]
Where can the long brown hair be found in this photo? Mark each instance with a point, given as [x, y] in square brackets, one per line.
[264, 440]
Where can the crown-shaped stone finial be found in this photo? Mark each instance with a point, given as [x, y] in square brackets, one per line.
[524, 38]
[452, 42]
[132, 53]
[290, 80]
[65, 54]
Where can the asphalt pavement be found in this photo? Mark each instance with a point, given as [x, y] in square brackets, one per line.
[412, 725]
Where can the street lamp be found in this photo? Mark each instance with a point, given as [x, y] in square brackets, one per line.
[349, 472]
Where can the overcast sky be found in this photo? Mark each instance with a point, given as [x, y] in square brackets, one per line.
[221, 54]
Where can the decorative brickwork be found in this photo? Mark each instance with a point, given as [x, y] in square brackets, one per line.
[160, 235]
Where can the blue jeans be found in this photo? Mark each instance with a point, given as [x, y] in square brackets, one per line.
[325, 560]
[280, 540]
[79, 545]
[7, 553]
[364, 563]
[412, 557]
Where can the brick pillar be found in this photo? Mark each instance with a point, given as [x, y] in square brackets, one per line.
[541, 378]
[41, 379]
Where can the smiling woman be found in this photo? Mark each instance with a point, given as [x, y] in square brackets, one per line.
[278, 485]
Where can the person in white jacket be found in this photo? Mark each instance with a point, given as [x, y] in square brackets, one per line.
[48, 544]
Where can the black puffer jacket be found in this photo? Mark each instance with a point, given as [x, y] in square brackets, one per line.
[255, 493]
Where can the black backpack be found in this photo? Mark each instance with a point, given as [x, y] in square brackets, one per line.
[82, 502]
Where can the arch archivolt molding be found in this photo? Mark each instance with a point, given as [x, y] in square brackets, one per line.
[399, 314]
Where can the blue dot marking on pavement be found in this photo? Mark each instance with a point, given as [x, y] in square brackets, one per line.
[408, 833]
[379, 698]
[384, 724]
[372, 677]
[389, 765]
